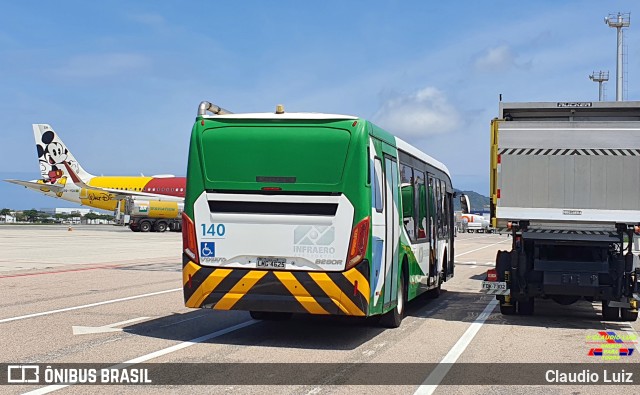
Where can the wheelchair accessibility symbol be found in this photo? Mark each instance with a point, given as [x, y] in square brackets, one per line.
[207, 249]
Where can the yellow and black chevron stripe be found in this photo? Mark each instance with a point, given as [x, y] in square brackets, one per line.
[277, 291]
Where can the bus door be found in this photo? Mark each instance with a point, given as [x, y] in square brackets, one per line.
[432, 227]
[378, 227]
[392, 229]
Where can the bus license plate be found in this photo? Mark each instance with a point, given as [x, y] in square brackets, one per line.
[494, 285]
[271, 263]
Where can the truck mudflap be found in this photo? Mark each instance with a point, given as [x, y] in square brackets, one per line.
[338, 293]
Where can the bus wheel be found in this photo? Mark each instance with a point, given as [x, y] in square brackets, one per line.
[145, 226]
[393, 318]
[435, 292]
[270, 315]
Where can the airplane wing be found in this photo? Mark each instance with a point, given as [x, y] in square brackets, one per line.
[39, 185]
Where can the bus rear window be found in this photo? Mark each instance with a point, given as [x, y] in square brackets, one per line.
[288, 154]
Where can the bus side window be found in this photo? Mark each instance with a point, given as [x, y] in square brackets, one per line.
[445, 209]
[406, 180]
[440, 208]
[376, 185]
[421, 204]
[432, 210]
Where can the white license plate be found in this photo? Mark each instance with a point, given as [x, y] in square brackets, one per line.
[271, 263]
[494, 285]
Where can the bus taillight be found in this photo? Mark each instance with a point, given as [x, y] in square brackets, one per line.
[492, 275]
[189, 242]
[359, 241]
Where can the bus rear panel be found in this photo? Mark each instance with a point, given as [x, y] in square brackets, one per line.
[275, 209]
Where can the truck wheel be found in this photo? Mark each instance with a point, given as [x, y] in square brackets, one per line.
[525, 307]
[609, 313]
[161, 226]
[507, 309]
[145, 226]
[628, 315]
[393, 318]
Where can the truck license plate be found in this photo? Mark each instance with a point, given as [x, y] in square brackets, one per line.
[494, 285]
[271, 263]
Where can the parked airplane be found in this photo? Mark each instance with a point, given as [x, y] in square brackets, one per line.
[474, 222]
[64, 178]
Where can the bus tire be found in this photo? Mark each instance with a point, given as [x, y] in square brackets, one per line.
[270, 315]
[393, 318]
[145, 226]
[435, 292]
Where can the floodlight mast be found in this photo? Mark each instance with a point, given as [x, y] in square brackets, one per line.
[619, 21]
[600, 77]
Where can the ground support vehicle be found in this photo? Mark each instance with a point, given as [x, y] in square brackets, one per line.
[153, 215]
[565, 181]
[311, 213]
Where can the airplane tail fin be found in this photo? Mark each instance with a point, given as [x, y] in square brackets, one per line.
[54, 157]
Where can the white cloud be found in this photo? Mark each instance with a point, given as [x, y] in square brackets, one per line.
[102, 65]
[418, 115]
[498, 58]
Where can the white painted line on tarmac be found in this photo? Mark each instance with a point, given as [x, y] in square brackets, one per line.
[441, 370]
[156, 354]
[482, 248]
[471, 237]
[86, 330]
[22, 317]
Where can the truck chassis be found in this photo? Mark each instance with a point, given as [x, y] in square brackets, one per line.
[567, 267]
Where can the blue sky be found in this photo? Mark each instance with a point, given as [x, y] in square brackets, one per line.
[120, 81]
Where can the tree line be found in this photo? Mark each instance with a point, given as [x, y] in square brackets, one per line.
[35, 216]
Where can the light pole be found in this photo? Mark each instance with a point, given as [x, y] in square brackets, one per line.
[619, 21]
[600, 77]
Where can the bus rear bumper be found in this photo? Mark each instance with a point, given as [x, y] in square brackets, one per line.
[338, 293]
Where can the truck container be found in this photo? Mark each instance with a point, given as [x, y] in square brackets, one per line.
[565, 182]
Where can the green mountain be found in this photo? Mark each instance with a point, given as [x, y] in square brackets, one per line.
[478, 202]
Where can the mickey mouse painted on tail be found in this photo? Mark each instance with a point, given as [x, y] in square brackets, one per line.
[53, 156]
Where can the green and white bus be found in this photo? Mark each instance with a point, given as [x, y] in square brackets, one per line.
[311, 213]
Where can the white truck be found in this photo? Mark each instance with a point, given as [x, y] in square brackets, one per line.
[565, 182]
